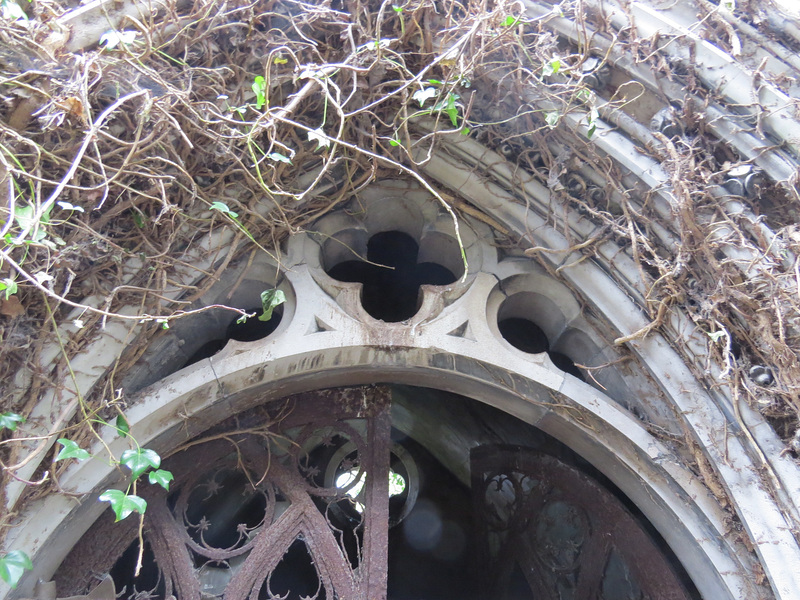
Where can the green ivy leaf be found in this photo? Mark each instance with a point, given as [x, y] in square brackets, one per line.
[123, 504]
[277, 156]
[451, 109]
[138, 219]
[551, 118]
[592, 119]
[112, 39]
[319, 136]
[139, 460]
[67, 206]
[269, 300]
[9, 286]
[71, 450]
[424, 95]
[12, 11]
[260, 88]
[23, 215]
[122, 425]
[10, 420]
[13, 565]
[160, 477]
[510, 21]
[223, 208]
[552, 67]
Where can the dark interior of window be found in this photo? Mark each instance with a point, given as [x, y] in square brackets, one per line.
[391, 276]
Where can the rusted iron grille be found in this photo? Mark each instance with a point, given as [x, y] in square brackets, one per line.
[551, 528]
[256, 512]
[273, 461]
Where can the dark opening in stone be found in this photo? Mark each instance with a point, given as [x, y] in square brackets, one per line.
[527, 336]
[391, 291]
[254, 329]
[565, 363]
[249, 331]
[524, 335]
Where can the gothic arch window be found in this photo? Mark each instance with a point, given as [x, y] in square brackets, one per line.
[553, 493]
[328, 495]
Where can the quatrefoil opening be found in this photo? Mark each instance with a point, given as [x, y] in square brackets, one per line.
[392, 274]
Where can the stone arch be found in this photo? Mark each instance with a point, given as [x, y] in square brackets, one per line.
[452, 344]
[655, 381]
[619, 446]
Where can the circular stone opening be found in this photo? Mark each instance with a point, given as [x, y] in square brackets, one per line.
[251, 330]
[524, 335]
[254, 328]
[519, 330]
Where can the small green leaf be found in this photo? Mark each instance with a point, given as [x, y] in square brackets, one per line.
[510, 21]
[552, 67]
[424, 95]
[122, 504]
[269, 300]
[12, 11]
[277, 156]
[138, 220]
[551, 118]
[397, 9]
[139, 460]
[465, 130]
[9, 286]
[435, 82]
[592, 119]
[260, 89]
[67, 206]
[10, 420]
[394, 142]
[160, 477]
[42, 277]
[223, 208]
[319, 136]
[122, 425]
[452, 110]
[585, 95]
[71, 450]
[13, 565]
[279, 60]
[23, 215]
[112, 39]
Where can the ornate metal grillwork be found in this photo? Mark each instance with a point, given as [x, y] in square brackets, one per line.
[251, 508]
[549, 531]
[291, 500]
